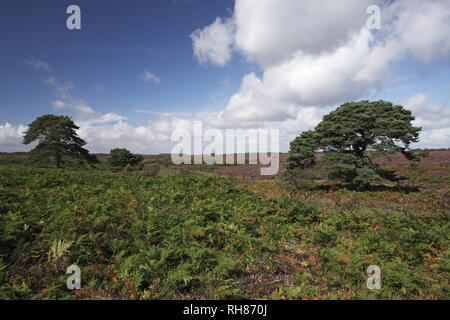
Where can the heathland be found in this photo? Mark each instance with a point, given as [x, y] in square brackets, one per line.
[167, 231]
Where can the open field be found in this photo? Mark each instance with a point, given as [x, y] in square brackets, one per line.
[220, 232]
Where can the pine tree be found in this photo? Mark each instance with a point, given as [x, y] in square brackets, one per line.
[351, 136]
[56, 137]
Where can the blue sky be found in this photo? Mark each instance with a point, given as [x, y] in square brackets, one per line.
[104, 60]
[238, 64]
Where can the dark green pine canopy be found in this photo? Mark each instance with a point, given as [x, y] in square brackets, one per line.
[349, 133]
[56, 137]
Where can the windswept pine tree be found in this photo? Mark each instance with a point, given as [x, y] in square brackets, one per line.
[56, 137]
[351, 136]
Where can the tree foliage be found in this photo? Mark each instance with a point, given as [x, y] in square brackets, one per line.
[351, 136]
[119, 157]
[56, 137]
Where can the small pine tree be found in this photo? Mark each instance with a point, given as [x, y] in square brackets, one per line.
[120, 158]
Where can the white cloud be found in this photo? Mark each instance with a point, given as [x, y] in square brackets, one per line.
[11, 138]
[79, 106]
[347, 73]
[420, 27]
[62, 88]
[83, 111]
[214, 42]
[433, 117]
[269, 32]
[255, 102]
[434, 138]
[321, 52]
[148, 76]
[151, 137]
[154, 135]
[430, 115]
[37, 63]
[110, 130]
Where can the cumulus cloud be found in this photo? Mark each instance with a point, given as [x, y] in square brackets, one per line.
[321, 52]
[429, 114]
[270, 32]
[11, 138]
[318, 54]
[214, 43]
[103, 134]
[347, 73]
[149, 76]
[420, 28]
[432, 116]
[152, 137]
[434, 138]
[109, 131]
